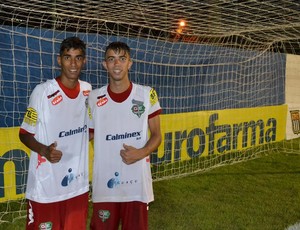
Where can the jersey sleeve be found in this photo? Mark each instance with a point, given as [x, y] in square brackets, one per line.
[31, 117]
[86, 87]
[155, 108]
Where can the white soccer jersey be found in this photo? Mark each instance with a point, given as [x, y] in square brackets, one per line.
[54, 117]
[114, 124]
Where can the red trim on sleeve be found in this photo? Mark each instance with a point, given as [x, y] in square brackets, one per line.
[154, 114]
[23, 131]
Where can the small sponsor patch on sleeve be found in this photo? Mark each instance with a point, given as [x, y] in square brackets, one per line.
[31, 116]
[153, 97]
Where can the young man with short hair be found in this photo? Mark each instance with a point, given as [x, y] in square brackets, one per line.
[55, 129]
[122, 114]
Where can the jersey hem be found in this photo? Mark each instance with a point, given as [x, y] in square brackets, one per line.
[66, 197]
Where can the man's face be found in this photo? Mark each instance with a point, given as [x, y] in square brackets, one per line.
[117, 63]
[71, 63]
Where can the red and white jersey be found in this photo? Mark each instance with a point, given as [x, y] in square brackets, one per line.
[115, 124]
[54, 117]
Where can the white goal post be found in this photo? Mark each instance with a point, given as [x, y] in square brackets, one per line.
[219, 68]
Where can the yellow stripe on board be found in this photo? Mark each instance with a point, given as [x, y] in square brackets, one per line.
[13, 156]
[195, 134]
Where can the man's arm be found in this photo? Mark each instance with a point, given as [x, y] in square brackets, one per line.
[130, 154]
[91, 134]
[49, 152]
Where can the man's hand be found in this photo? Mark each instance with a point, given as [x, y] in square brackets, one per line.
[52, 154]
[130, 154]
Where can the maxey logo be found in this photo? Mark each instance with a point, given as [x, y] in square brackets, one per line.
[115, 181]
[68, 178]
[71, 177]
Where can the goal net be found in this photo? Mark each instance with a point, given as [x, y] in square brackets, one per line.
[225, 73]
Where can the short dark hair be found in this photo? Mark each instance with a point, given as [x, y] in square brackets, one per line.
[117, 47]
[72, 43]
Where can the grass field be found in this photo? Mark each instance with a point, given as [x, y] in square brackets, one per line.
[259, 194]
[262, 193]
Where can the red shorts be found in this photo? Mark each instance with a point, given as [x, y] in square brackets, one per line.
[67, 214]
[108, 215]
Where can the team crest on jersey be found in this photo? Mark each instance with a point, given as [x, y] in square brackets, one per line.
[45, 226]
[57, 100]
[153, 97]
[103, 215]
[138, 108]
[31, 116]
